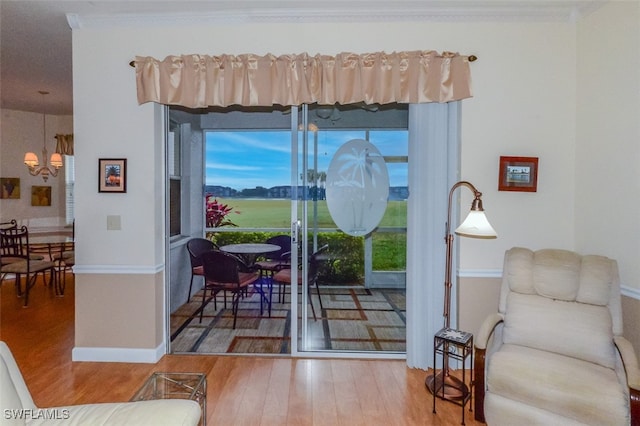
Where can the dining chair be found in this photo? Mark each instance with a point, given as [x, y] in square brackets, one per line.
[14, 243]
[65, 259]
[273, 261]
[9, 224]
[12, 224]
[224, 272]
[195, 247]
[283, 278]
[4, 251]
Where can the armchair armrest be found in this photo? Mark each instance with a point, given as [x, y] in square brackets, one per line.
[489, 324]
[172, 412]
[630, 362]
[480, 342]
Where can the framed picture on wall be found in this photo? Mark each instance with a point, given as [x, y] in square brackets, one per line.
[10, 188]
[112, 175]
[518, 174]
[41, 196]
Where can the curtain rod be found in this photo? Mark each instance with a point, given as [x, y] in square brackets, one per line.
[471, 58]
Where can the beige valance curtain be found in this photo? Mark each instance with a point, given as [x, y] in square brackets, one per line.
[199, 81]
[64, 144]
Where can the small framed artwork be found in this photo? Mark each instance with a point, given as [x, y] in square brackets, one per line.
[41, 196]
[112, 175]
[518, 174]
[10, 188]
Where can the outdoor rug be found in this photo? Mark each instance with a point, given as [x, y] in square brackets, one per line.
[352, 319]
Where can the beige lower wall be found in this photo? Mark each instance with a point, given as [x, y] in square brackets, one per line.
[126, 310]
[631, 321]
[478, 297]
[119, 310]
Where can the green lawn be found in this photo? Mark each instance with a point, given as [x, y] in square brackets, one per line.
[389, 249]
[277, 213]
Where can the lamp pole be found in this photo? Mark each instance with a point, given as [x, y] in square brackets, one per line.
[475, 225]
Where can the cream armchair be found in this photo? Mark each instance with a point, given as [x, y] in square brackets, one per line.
[17, 407]
[554, 353]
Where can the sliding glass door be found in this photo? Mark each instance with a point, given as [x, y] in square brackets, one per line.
[266, 172]
[352, 296]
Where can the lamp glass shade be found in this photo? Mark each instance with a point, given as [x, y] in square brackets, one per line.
[476, 225]
[56, 160]
[31, 159]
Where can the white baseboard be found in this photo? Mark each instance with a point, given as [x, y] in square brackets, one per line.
[135, 355]
[634, 293]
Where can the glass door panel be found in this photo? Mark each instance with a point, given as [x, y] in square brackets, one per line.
[355, 302]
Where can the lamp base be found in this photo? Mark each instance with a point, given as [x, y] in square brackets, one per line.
[446, 386]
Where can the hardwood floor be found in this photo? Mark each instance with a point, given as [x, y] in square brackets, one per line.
[241, 390]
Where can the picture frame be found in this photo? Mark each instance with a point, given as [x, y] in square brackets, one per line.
[9, 188]
[518, 174]
[112, 175]
[41, 196]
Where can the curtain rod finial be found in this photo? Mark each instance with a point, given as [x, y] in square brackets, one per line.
[472, 58]
[132, 64]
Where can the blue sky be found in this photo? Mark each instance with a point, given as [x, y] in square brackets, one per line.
[246, 159]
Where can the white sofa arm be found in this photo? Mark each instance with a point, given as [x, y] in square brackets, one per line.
[629, 360]
[489, 324]
[169, 412]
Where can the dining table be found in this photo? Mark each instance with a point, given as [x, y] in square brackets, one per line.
[56, 247]
[50, 244]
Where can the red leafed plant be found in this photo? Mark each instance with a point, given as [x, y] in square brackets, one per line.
[217, 213]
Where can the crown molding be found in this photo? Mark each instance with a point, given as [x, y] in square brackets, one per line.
[354, 11]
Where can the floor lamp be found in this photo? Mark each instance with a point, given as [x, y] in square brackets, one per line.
[475, 225]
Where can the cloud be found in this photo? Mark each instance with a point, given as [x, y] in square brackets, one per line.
[236, 167]
[240, 142]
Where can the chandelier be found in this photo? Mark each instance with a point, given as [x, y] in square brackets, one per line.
[31, 159]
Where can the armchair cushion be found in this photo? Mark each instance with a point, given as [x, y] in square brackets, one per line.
[560, 274]
[567, 296]
[572, 329]
[560, 384]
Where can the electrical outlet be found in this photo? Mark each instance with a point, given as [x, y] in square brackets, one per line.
[113, 223]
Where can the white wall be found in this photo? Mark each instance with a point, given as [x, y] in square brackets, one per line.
[608, 133]
[22, 132]
[524, 104]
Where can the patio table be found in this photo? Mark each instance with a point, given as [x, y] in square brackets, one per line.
[250, 251]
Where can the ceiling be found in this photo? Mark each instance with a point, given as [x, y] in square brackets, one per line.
[35, 36]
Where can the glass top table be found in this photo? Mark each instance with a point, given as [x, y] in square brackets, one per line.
[250, 251]
[161, 385]
[50, 239]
